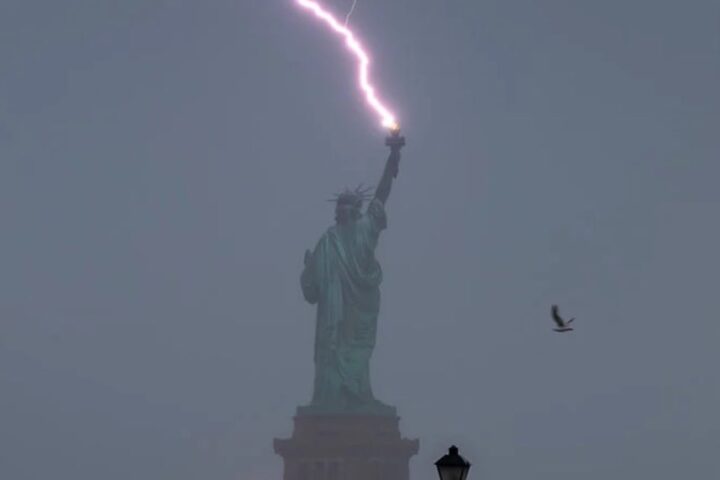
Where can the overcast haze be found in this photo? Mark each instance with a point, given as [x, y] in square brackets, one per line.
[164, 165]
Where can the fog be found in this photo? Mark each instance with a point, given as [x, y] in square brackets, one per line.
[164, 166]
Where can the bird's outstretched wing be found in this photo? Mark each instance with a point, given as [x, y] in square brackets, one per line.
[556, 316]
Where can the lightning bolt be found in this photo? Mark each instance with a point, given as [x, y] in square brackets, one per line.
[349, 14]
[387, 118]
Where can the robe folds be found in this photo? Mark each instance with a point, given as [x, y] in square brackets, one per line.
[343, 279]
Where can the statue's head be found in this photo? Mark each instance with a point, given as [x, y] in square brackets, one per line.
[348, 204]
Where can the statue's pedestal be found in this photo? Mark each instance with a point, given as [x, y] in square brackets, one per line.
[346, 447]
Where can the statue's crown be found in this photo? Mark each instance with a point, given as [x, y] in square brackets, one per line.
[353, 198]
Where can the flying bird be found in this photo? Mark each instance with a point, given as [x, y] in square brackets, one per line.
[562, 325]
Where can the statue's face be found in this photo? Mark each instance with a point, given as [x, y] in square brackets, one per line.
[345, 213]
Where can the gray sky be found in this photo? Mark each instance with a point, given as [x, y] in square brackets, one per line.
[164, 165]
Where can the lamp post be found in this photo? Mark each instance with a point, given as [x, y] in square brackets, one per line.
[452, 466]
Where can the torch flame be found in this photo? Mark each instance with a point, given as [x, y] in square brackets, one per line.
[386, 116]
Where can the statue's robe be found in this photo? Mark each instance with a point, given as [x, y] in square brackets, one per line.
[343, 279]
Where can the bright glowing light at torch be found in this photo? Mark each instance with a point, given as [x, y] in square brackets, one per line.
[386, 116]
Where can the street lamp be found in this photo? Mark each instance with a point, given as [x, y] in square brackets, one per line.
[452, 466]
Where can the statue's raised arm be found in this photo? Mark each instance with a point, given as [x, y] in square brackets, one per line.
[392, 166]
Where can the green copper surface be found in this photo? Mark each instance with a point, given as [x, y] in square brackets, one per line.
[342, 278]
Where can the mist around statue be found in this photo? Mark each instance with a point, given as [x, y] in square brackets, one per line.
[192, 241]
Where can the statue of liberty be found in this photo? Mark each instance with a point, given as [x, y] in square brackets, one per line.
[342, 277]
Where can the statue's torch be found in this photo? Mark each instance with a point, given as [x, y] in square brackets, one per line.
[395, 142]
